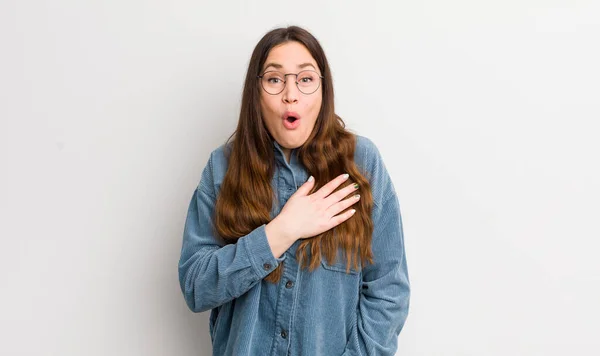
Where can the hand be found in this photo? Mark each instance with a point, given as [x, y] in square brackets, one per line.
[306, 215]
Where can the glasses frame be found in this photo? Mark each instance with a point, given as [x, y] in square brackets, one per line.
[295, 81]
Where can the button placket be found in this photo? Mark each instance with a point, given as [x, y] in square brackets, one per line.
[285, 183]
[285, 307]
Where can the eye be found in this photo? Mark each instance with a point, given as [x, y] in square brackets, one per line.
[274, 80]
[306, 80]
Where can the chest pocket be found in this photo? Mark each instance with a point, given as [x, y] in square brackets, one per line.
[338, 266]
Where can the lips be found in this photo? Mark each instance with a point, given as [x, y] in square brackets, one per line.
[291, 120]
[290, 116]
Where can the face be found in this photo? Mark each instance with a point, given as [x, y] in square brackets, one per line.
[278, 111]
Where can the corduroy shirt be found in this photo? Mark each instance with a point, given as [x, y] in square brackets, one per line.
[324, 312]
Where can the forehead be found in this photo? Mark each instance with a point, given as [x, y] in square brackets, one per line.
[289, 56]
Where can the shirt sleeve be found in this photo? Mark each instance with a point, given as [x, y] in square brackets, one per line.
[212, 273]
[385, 293]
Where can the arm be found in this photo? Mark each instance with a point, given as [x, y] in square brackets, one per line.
[210, 272]
[385, 293]
[384, 301]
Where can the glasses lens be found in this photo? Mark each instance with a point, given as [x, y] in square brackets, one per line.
[273, 82]
[308, 81]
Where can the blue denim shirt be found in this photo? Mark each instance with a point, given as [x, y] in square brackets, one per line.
[325, 312]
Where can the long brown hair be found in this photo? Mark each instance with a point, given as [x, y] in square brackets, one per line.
[246, 196]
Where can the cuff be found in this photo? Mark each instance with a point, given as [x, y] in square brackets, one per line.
[259, 252]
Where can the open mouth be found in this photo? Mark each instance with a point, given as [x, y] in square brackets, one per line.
[291, 120]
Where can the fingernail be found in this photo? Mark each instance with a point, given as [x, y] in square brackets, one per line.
[346, 176]
[352, 211]
[311, 178]
[357, 196]
[355, 185]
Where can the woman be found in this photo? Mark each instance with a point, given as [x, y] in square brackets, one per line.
[293, 235]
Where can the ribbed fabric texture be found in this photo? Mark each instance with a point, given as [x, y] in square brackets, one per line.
[325, 312]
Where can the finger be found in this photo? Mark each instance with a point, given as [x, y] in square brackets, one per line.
[341, 206]
[306, 187]
[338, 219]
[340, 194]
[330, 187]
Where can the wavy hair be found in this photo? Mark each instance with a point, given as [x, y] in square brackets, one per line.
[246, 195]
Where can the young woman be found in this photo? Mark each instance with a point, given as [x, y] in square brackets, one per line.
[293, 235]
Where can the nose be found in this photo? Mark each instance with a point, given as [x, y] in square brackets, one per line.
[290, 93]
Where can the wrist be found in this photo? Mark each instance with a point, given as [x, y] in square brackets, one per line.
[275, 228]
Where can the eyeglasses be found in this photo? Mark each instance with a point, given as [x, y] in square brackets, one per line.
[307, 81]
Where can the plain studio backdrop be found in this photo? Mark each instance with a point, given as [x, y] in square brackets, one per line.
[486, 114]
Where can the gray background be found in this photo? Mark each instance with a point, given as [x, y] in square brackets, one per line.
[486, 114]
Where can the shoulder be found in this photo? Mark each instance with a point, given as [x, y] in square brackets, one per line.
[215, 169]
[367, 156]
[365, 150]
[370, 161]
[219, 158]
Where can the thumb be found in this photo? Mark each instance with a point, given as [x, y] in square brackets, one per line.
[306, 187]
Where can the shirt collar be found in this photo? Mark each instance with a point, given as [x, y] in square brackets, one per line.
[279, 152]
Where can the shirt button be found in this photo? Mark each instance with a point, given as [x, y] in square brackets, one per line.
[267, 266]
[289, 284]
[283, 334]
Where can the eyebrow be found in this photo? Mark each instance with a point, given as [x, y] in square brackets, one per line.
[279, 66]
